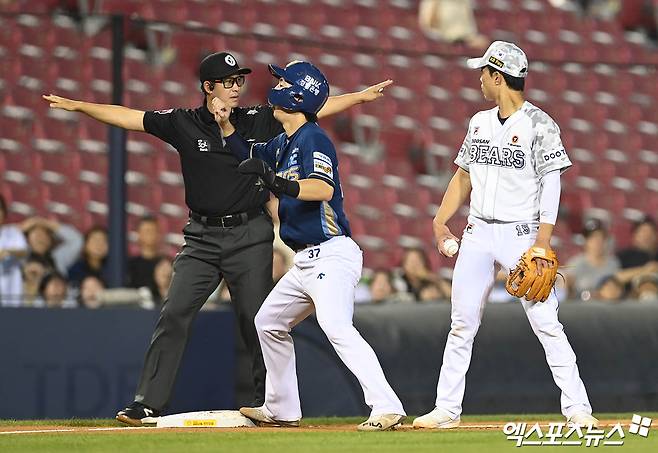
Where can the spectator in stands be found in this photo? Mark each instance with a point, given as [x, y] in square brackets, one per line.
[34, 268]
[452, 21]
[141, 267]
[643, 247]
[12, 248]
[162, 274]
[57, 243]
[280, 264]
[587, 269]
[609, 289]
[432, 292]
[645, 288]
[416, 272]
[381, 287]
[94, 257]
[600, 9]
[639, 15]
[54, 292]
[91, 288]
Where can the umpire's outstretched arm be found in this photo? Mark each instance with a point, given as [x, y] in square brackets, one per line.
[115, 115]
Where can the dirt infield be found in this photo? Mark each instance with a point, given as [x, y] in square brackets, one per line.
[467, 426]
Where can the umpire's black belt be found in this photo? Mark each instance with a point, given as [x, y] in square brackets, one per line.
[227, 221]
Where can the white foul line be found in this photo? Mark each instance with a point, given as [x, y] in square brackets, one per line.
[70, 430]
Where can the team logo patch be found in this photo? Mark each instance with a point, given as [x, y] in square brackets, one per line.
[469, 228]
[476, 130]
[230, 60]
[164, 112]
[515, 139]
[252, 112]
[203, 145]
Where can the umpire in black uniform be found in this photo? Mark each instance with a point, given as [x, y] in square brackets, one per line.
[229, 234]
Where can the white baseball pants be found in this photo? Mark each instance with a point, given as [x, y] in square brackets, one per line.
[323, 279]
[483, 245]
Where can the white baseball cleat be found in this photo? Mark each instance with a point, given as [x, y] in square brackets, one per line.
[582, 419]
[260, 418]
[380, 422]
[437, 419]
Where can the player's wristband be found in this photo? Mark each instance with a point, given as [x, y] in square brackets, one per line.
[285, 186]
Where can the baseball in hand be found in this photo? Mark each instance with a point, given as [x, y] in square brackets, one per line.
[450, 246]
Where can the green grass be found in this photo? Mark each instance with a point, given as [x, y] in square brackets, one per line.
[75, 422]
[286, 441]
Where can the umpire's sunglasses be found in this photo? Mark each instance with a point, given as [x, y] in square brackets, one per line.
[228, 83]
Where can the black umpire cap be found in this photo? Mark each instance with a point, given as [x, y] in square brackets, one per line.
[219, 65]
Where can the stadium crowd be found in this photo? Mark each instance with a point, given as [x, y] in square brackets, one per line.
[48, 264]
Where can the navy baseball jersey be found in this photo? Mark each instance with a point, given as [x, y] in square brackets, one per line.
[308, 153]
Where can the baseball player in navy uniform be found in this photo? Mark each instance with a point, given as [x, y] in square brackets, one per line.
[300, 167]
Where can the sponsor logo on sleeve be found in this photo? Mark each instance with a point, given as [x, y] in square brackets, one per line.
[322, 168]
[322, 164]
[554, 155]
[323, 157]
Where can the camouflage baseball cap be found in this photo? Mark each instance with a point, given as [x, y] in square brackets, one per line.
[504, 56]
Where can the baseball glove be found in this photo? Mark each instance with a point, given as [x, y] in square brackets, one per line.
[523, 280]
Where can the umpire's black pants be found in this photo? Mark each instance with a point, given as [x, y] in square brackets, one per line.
[243, 256]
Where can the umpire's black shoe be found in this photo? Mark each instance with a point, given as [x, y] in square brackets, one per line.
[136, 414]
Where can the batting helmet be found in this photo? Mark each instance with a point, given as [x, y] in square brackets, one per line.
[309, 88]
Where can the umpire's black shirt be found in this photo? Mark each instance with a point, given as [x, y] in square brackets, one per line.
[213, 186]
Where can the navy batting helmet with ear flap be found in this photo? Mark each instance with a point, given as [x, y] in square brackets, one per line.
[309, 88]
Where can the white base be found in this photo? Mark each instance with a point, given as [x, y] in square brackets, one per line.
[202, 419]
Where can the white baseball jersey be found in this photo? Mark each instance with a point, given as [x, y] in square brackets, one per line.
[507, 161]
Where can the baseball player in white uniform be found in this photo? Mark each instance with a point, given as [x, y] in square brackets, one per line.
[510, 164]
